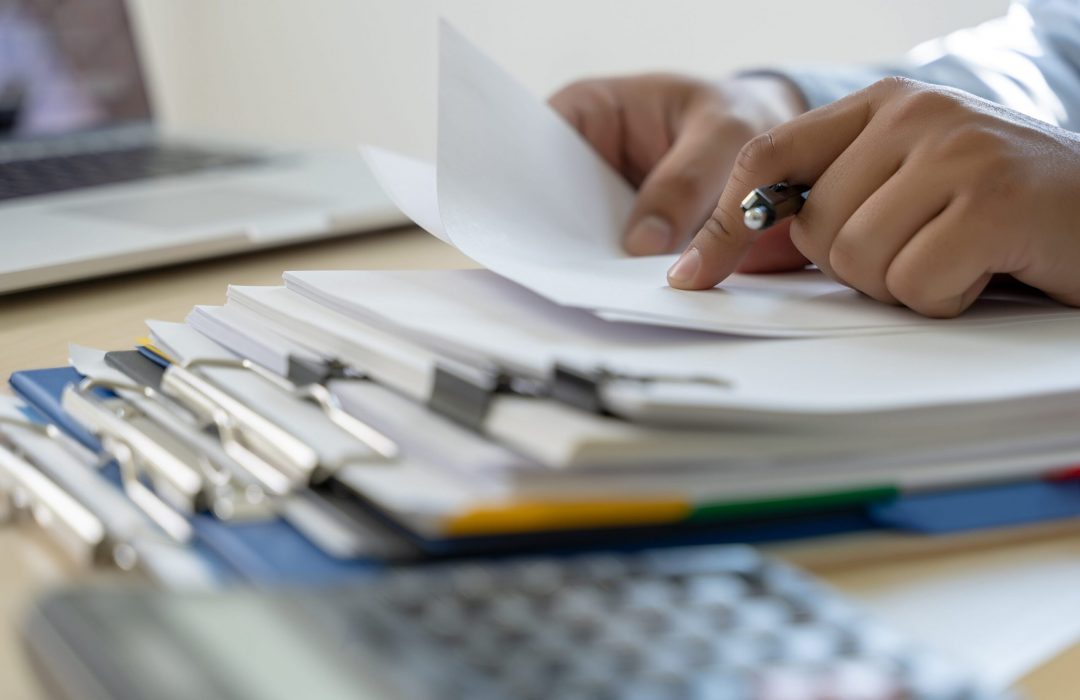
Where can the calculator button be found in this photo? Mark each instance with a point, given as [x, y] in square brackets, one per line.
[513, 613]
[722, 685]
[742, 649]
[538, 577]
[874, 639]
[810, 644]
[789, 683]
[602, 569]
[473, 582]
[762, 614]
[858, 680]
[716, 590]
[930, 677]
[445, 619]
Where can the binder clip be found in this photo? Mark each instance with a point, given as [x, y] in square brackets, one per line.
[213, 403]
[153, 449]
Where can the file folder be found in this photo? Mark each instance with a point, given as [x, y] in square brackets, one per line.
[266, 553]
[274, 552]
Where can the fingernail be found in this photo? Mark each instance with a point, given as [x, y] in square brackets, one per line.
[685, 268]
[650, 236]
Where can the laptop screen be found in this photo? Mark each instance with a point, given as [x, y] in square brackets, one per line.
[66, 66]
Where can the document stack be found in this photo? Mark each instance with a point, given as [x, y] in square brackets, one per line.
[562, 396]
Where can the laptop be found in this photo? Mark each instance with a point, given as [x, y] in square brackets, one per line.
[89, 186]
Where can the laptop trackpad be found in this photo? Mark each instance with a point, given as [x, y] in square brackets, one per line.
[194, 208]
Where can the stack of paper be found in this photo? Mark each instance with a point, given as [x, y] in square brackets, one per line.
[567, 387]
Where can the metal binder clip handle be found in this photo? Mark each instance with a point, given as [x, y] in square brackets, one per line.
[379, 443]
[182, 483]
[585, 388]
[460, 398]
[317, 393]
[131, 540]
[261, 435]
[72, 526]
[579, 388]
[172, 523]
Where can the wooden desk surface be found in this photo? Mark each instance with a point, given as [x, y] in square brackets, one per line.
[1010, 606]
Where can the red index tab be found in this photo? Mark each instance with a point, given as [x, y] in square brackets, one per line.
[1067, 474]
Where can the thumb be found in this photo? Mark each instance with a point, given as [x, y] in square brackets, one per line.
[682, 188]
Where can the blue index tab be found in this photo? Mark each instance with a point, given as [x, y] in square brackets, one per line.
[981, 507]
[270, 552]
[42, 389]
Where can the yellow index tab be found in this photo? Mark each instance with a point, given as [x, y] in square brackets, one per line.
[565, 515]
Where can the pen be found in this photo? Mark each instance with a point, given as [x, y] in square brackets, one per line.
[766, 205]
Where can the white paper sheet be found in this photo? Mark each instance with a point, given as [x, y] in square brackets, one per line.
[521, 193]
[476, 314]
[410, 184]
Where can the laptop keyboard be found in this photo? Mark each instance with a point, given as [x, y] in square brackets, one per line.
[713, 623]
[25, 178]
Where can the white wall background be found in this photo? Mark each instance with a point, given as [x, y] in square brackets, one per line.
[341, 72]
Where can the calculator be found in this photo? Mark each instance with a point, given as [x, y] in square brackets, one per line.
[708, 623]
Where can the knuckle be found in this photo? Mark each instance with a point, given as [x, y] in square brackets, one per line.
[800, 232]
[683, 187]
[849, 264]
[844, 259]
[721, 229]
[761, 148]
[893, 84]
[903, 282]
[723, 124]
[583, 95]
[966, 141]
[916, 104]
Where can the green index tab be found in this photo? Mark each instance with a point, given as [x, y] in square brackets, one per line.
[734, 510]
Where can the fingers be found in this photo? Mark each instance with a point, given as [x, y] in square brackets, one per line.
[680, 191]
[774, 252]
[884, 223]
[799, 152]
[594, 112]
[850, 180]
[945, 265]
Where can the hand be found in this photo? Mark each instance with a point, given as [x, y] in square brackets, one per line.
[920, 195]
[675, 138]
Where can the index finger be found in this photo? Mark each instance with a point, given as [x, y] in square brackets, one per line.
[798, 151]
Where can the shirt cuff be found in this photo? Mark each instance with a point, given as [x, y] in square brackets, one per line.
[820, 85]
